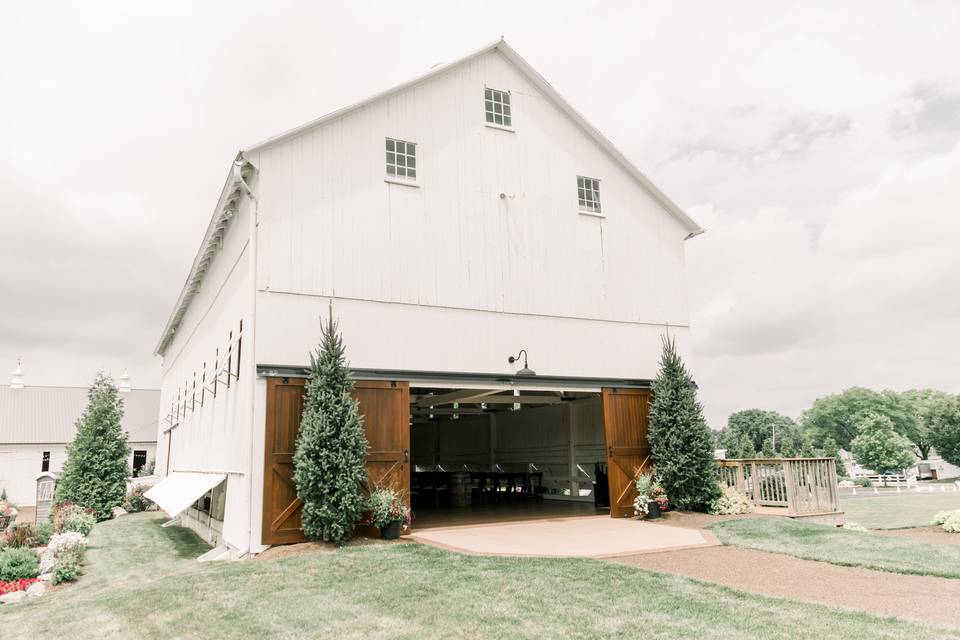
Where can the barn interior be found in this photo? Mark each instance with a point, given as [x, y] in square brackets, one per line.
[483, 455]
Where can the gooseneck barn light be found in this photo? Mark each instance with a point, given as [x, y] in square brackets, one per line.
[526, 371]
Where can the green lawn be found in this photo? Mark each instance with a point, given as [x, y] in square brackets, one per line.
[899, 510]
[840, 546]
[143, 583]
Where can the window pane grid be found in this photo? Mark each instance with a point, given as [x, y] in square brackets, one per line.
[496, 106]
[588, 193]
[401, 159]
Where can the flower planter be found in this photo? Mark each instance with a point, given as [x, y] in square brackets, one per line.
[653, 510]
[391, 531]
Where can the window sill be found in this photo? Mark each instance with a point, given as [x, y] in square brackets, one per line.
[592, 214]
[494, 125]
[401, 182]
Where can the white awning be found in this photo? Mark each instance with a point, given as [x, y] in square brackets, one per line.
[181, 489]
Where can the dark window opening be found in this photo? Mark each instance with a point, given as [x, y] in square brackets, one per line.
[45, 465]
[139, 460]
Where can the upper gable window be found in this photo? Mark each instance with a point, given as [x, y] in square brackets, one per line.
[401, 159]
[496, 104]
[588, 194]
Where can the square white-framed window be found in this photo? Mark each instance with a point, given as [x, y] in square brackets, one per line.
[496, 106]
[401, 159]
[588, 194]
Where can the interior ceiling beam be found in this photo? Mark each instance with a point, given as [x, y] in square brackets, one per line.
[460, 395]
[436, 411]
[522, 400]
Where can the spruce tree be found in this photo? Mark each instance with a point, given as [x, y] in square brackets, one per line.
[95, 474]
[680, 441]
[331, 446]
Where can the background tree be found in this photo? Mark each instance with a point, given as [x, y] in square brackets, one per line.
[681, 443]
[830, 449]
[945, 429]
[836, 416]
[767, 431]
[925, 404]
[331, 446]
[879, 447]
[95, 474]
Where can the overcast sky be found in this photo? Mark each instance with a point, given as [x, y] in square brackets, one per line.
[818, 144]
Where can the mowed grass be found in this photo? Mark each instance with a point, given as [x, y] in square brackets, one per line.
[899, 510]
[142, 582]
[841, 546]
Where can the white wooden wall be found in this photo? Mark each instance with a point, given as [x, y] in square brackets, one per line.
[330, 226]
[21, 463]
[215, 436]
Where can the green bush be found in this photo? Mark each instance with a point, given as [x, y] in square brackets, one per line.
[82, 523]
[28, 535]
[68, 565]
[136, 501]
[681, 444]
[331, 446]
[95, 474]
[18, 563]
[863, 482]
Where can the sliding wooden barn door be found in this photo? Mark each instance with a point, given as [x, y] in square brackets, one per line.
[281, 506]
[385, 407]
[625, 423]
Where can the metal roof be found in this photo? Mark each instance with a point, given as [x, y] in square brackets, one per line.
[48, 415]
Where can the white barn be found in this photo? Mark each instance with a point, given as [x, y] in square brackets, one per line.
[450, 222]
[38, 423]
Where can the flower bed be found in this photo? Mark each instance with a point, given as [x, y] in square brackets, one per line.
[16, 585]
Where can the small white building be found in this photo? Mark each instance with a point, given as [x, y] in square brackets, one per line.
[449, 222]
[38, 423]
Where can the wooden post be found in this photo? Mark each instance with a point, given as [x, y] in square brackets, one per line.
[790, 487]
[738, 478]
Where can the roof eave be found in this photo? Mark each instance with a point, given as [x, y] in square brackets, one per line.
[227, 203]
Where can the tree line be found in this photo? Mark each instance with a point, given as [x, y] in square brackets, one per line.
[885, 430]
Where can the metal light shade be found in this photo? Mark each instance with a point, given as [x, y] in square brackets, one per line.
[526, 371]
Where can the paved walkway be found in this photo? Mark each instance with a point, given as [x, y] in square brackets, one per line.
[922, 598]
[584, 537]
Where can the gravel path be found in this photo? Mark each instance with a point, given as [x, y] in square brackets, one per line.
[922, 598]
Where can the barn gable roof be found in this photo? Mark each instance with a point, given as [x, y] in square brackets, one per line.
[540, 82]
[235, 186]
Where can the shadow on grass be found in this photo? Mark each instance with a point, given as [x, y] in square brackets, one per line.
[183, 542]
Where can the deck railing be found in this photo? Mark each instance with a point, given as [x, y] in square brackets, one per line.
[797, 485]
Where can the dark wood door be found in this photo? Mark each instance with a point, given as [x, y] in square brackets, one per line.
[281, 506]
[385, 407]
[625, 422]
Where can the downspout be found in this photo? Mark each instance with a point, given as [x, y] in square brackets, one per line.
[238, 164]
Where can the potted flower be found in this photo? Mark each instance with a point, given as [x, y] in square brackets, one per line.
[388, 513]
[651, 497]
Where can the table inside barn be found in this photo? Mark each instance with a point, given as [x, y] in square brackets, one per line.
[461, 488]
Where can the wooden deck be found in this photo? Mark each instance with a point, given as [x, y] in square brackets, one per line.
[474, 514]
[792, 487]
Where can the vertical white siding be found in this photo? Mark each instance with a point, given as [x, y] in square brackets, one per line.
[331, 226]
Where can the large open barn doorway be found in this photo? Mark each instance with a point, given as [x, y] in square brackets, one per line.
[474, 455]
[489, 455]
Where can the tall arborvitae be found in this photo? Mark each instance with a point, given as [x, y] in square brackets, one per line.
[96, 471]
[680, 441]
[331, 446]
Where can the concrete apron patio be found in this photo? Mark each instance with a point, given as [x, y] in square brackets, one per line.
[578, 537]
